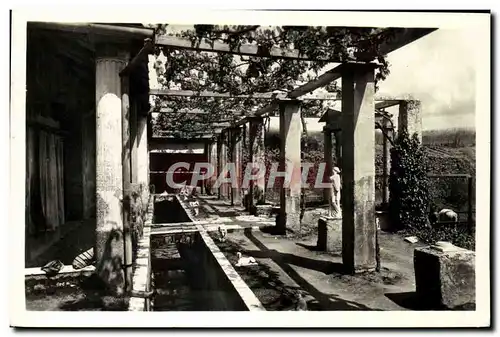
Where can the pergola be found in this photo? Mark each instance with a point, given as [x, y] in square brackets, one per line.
[356, 122]
[357, 119]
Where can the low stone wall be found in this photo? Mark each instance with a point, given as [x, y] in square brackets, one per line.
[141, 280]
[227, 289]
[445, 276]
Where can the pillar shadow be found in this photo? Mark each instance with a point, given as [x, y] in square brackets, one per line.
[410, 300]
[322, 301]
[274, 230]
[312, 248]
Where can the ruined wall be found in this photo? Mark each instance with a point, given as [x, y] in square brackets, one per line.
[73, 162]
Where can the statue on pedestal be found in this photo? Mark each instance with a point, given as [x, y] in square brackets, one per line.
[335, 183]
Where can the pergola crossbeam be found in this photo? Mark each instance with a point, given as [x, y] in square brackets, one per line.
[401, 38]
[220, 47]
[102, 29]
[257, 95]
[386, 104]
[141, 55]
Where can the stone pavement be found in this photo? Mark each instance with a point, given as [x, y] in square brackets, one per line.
[318, 274]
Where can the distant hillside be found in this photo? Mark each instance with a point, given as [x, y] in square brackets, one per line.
[449, 138]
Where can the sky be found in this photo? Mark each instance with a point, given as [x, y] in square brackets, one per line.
[438, 70]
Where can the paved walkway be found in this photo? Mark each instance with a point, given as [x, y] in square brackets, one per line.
[298, 264]
[319, 275]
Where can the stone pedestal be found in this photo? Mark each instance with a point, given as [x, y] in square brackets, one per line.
[445, 277]
[329, 234]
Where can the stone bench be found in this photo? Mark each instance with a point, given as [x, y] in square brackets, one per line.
[445, 276]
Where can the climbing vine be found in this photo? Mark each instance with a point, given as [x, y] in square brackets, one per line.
[242, 75]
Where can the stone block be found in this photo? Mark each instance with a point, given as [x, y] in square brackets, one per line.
[329, 234]
[262, 210]
[445, 276]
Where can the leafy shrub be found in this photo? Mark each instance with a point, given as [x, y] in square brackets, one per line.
[408, 183]
[456, 234]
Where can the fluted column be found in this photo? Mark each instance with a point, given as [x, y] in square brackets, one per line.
[109, 176]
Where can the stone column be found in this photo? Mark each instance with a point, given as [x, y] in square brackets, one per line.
[133, 142]
[327, 136]
[127, 168]
[290, 135]
[222, 161]
[386, 161]
[143, 155]
[256, 134]
[358, 169]
[109, 250]
[338, 147]
[236, 148]
[410, 118]
[213, 161]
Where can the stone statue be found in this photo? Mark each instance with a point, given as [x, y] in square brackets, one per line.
[335, 183]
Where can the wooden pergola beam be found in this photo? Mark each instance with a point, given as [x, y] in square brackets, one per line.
[402, 37]
[220, 47]
[102, 29]
[257, 95]
[141, 55]
[321, 81]
[387, 104]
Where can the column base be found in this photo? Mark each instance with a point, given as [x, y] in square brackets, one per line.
[109, 246]
[289, 218]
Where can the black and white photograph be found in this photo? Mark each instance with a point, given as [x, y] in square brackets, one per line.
[200, 169]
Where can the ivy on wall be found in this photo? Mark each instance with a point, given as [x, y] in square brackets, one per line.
[408, 183]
